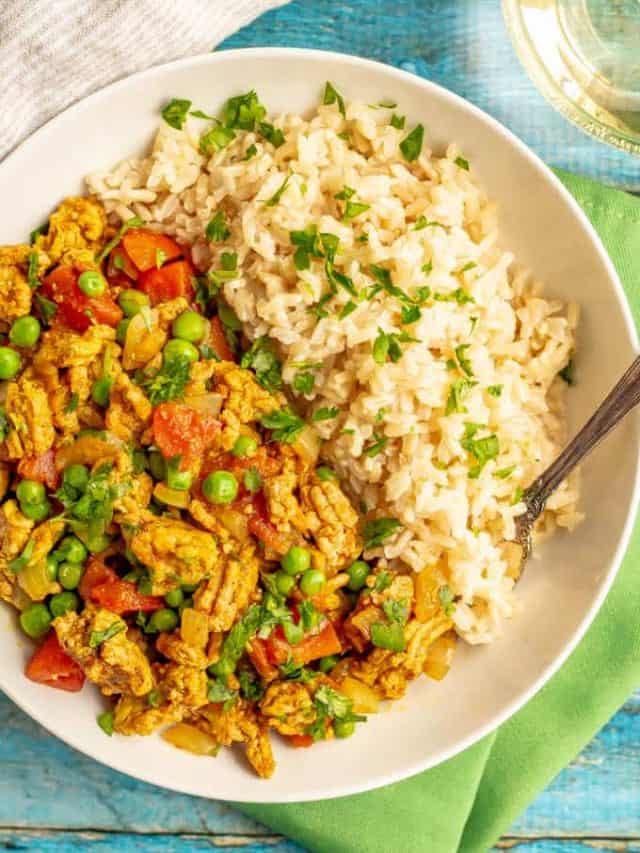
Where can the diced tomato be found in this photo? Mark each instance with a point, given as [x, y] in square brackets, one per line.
[120, 266]
[300, 740]
[101, 585]
[217, 340]
[169, 282]
[41, 468]
[148, 250]
[75, 309]
[260, 660]
[179, 430]
[51, 665]
[313, 646]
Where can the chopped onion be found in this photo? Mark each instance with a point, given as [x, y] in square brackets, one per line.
[307, 445]
[143, 341]
[191, 739]
[194, 628]
[365, 699]
[35, 580]
[171, 497]
[86, 450]
[208, 404]
[440, 656]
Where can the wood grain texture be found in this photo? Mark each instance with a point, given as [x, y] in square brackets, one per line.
[54, 799]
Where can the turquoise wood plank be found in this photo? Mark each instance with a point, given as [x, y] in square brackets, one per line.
[80, 842]
[42, 783]
[462, 45]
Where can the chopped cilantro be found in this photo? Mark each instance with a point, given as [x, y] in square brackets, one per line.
[494, 390]
[166, 383]
[250, 152]
[397, 121]
[345, 194]
[378, 530]
[411, 145]
[263, 360]
[250, 686]
[32, 271]
[347, 309]
[252, 480]
[37, 232]
[462, 163]
[307, 246]
[468, 266]
[331, 96]
[353, 209]
[483, 449]
[326, 413]
[284, 424]
[377, 445]
[422, 222]
[216, 139]
[387, 346]
[46, 308]
[465, 364]
[272, 134]
[96, 638]
[458, 390]
[446, 600]
[18, 563]
[390, 637]
[568, 372]
[243, 111]
[134, 222]
[303, 382]
[217, 229]
[72, 405]
[504, 473]
[410, 314]
[459, 295]
[518, 495]
[383, 581]
[275, 198]
[219, 693]
[396, 611]
[175, 112]
[324, 473]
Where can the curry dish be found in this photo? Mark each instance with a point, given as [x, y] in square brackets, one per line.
[167, 532]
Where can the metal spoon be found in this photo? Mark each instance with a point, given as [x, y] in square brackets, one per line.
[624, 396]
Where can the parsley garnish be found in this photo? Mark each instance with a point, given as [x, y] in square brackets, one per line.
[331, 705]
[303, 382]
[238, 637]
[446, 600]
[243, 111]
[250, 152]
[252, 480]
[217, 229]
[307, 245]
[250, 686]
[272, 134]
[134, 222]
[219, 693]
[18, 563]
[96, 638]
[175, 112]
[275, 198]
[567, 373]
[284, 424]
[347, 309]
[216, 139]
[353, 209]
[462, 163]
[410, 314]
[387, 346]
[411, 145]
[457, 391]
[483, 449]
[326, 413]
[377, 446]
[263, 360]
[32, 271]
[168, 382]
[331, 96]
[397, 121]
[376, 531]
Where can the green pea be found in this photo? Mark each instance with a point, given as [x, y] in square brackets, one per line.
[101, 391]
[69, 574]
[358, 573]
[343, 728]
[91, 283]
[63, 603]
[328, 663]
[284, 583]
[221, 487]
[121, 330]
[72, 549]
[296, 560]
[25, 332]
[97, 542]
[312, 582]
[35, 620]
[76, 476]
[162, 620]
[105, 721]
[131, 301]
[244, 446]
[190, 326]
[221, 668]
[177, 349]
[52, 567]
[157, 465]
[10, 363]
[36, 512]
[174, 598]
[30, 492]
[294, 633]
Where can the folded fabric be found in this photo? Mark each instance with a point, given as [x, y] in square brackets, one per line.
[57, 51]
[467, 803]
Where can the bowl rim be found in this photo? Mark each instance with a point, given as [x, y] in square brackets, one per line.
[22, 152]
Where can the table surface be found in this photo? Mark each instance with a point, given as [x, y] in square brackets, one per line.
[51, 797]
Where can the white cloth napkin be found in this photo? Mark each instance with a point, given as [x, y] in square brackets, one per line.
[53, 52]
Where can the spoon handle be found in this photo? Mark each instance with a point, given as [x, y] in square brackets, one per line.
[624, 396]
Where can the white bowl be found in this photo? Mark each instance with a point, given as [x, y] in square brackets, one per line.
[561, 592]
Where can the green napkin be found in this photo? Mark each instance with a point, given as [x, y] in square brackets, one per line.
[467, 803]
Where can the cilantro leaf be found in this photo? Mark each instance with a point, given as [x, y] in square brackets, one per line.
[462, 163]
[353, 209]
[32, 271]
[217, 229]
[378, 530]
[303, 382]
[494, 390]
[396, 611]
[325, 413]
[465, 364]
[215, 139]
[275, 198]
[331, 96]
[397, 121]
[263, 360]
[446, 600]
[390, 637]
[218, 692]
[568, 372]
[252, 480]
[243, 111]
[175, 112]
[72, 405]
[483, 449]
[96, 638]
[272, 134]
[284, 424]
[458, 390]
[251, 687]
[377, 446]
[168, 382]
[411, 145]
[134, 222]
[250, 152]
[18, 563]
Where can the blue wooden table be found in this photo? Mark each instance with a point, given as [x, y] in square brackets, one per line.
[52, 798]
